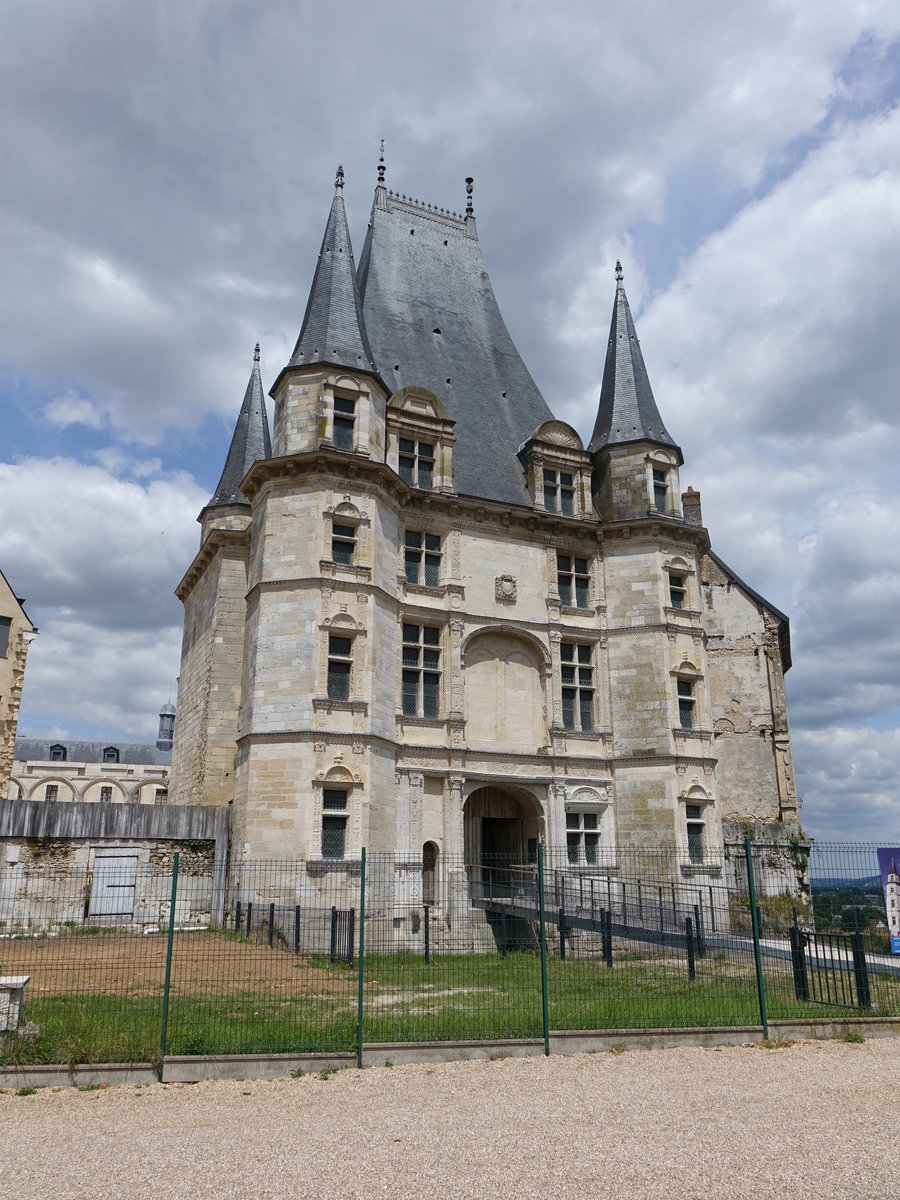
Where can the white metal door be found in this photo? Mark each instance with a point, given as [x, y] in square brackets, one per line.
[112, 892]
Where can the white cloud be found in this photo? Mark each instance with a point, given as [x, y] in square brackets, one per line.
[72, 409]
[848, 786]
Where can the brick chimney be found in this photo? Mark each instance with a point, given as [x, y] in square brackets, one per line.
[690, 506]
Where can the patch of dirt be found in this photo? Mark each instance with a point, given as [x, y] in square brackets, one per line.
[131, 965]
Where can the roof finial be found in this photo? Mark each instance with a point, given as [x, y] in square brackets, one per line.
[470, 211]
[381, 166]
[256, 354]
[620, 274]
[339, 180]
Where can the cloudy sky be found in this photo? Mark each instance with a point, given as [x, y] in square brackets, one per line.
[168, 168]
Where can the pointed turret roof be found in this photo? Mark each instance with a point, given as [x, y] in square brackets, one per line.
[251, 441]
[333, 329]
[627, 411]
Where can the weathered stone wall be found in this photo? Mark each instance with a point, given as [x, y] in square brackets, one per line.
[209, 688]
[755, 771]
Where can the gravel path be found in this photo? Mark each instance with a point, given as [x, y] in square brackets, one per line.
[816, 1119]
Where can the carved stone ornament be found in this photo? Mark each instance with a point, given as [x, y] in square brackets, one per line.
[589, 795]
[505, 588]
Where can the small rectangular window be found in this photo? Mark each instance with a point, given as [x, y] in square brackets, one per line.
[659, 490]
[334, 822]
[421, 675]
[340, 657]
[677, 591]
[5, 626]
[686, 704]
[343, 543]
[51, 791]
[162, 795]
[572, 580]
[344, 422]
[105, 795]
[422, 558]
[695, 841]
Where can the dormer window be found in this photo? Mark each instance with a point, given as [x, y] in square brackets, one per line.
[559, 492]
[557, 470]
[420, 440]
[110, 755]
[57, 753]
[344, 422]
[416, 463]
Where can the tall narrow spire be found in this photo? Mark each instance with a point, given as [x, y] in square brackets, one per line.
[333, 329]
[627, 411]
[251, 441]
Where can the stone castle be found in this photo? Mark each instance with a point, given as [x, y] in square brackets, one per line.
[427, 618]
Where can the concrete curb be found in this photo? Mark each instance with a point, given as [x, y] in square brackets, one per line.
[194, 1068]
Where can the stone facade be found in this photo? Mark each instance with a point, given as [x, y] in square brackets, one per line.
[375, 657]
[16, 634]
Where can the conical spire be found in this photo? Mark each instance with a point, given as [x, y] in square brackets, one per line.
[627, 411]
[251, 441]
[333, 328]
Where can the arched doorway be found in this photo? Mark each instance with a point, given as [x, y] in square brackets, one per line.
[501, 828]
[429, 863]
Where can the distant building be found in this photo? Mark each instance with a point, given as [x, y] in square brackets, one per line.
[427, 617]
[16, 634]
[103, 772]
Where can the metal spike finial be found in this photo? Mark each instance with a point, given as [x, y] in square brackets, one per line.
[470, 211]
[339, 178]
[381, 167]
[620, 274]
[256, 354]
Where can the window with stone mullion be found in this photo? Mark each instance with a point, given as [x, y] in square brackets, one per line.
[416, 463]
[421, 677]
[422, 558]
[572, 580]
[577, 686]
[343, 543]
[559, 492]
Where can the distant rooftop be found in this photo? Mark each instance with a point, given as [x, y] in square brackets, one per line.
[141, 754]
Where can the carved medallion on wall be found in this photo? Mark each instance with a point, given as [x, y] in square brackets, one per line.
[505, 588]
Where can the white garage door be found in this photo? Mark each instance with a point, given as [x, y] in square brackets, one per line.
[112, 892]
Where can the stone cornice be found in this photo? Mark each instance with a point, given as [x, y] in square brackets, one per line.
[218, 540]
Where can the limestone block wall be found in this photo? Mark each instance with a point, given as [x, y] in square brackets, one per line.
[209, 688]
[622, 480]
[304, 411]
[756, 778]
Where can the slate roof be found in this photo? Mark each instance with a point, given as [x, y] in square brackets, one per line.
[333, 329]
[433, 321]
[143, 754]
[627, 411]
[251, 441]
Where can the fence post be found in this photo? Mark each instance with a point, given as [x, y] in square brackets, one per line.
[271, 924]
[237, 916]
[503, 935]
[860, 970]
[297, 929]
[606, 919]
[562, 934]
[754, 916]
[362, 945]
[545, 1008]
[165, 1004]
[689, 935]
[249, 915]
[698, 918]
[427, 934]
[798, 961]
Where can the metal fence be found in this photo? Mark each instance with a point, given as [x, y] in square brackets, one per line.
[330, 955]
